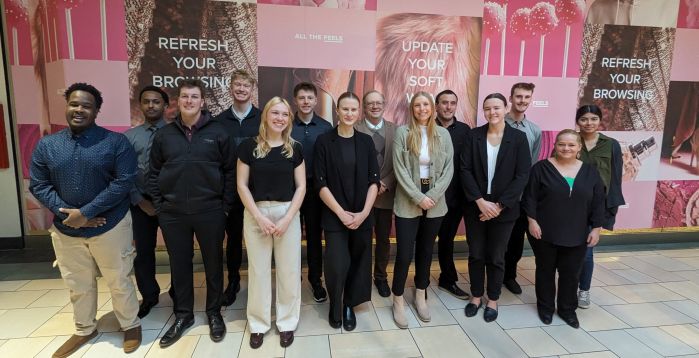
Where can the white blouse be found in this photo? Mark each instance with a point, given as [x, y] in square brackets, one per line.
[424, 158]
[492, 159]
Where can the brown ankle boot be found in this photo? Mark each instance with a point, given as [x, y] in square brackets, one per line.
[132, 339]
[73, 344]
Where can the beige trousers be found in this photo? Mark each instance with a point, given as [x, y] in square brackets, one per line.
[287, 258]
[79, 260]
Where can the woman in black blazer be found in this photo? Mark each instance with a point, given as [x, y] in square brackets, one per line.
[494, 169]
[347, 173]
[563, 200]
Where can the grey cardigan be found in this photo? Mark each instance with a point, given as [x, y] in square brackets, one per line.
[407, 169]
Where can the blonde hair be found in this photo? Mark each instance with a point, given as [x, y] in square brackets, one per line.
[571, 132]
[243, 75]
[263, 148]
[414, 132]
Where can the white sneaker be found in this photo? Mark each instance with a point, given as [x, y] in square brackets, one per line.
[584, 299]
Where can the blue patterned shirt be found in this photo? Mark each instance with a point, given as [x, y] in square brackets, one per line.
[93, 171]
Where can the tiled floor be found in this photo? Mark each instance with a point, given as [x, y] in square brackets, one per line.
[645, 304]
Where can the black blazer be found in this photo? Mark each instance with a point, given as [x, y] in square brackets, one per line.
[327, 173]
[511, 171]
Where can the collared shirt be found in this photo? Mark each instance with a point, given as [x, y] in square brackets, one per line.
[93, 171]
[306, 134]
[141, 138]
[240, 116]
[533, 133]
[372, 126]
[189, 131]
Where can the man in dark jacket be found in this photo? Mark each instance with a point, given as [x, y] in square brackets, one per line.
[241, 121]
[192, 185]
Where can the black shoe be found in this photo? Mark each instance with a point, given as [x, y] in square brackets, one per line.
[229, 294]
[331, 320]
[571, 319]
[256, 340]
[175, 331]
[546, 318]
[349, 320]
[319, 294]
[145, 307]
[382, 287]
[455, 291]
[471, 309]
[217, 327]
[490, 314]
[512, 286]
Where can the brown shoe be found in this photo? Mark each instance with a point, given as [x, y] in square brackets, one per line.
[132, 339]
[73, 344]
[256, 340]
[286, 338]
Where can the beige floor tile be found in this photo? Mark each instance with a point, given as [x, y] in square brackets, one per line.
[603, 354]
[688, 289]
[528, 294]
[648, 314]
[12, 285]
[112, 345]
[313, 346]
[102, 300]
[661, 341]
[157, 318]
[183, 348]
[650, 270]
[366, 318]
[58, 342]
[596, 318]
[574, 340]
[691, 261]
[490, 338]
[385, 316]
[635, 276]
[270, 348]
[688, 308]
[519, 316]
[374, 344]
[45, 284]
[643, 293]
[535, 342]
[228, 347]
[529, 275]
[686, 333]
[527, 263]
[602, 297]
[307, 294]
[19, 299]
[623, 344]
[24, 347]
[666, 263]
[680, 253]
[440, 315]
[58, 325]
[52, 298]
[2, 341]
[608, 277]
[314, 321]
[21, 323]
[444, 341]
[611, 264]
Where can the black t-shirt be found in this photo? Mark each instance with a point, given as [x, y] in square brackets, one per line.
[348, 164]
[272, 177]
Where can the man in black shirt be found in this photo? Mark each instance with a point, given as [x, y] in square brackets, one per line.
[306, 128]
[241, 121]
[447, 102]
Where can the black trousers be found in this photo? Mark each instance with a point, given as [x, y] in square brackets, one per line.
[487, 242]
[145, 235]
[568, 261]
[347, 268]
[515, 246]
[234, 246]
[383, 221]
[179, 232]
[414, 235]
[310, 220]
[445, 245]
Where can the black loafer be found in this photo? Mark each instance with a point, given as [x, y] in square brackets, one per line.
[174, 333]
[570, 319]
[217, 328]
[490, 314]
[382, 287]
[512, 286]
[229, 295]
[332, 321]
[455, 291]
[256, 340]
[286, 338]
[546, 318]
[146, 306]
[471, 309]
[349, 320]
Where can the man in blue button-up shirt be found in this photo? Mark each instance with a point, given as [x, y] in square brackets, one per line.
[84, 174]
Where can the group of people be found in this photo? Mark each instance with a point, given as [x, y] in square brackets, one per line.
[270, 176]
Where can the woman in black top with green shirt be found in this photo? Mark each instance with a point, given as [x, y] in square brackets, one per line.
[563, 199]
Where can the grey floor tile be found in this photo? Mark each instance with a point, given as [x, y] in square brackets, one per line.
[374, 344]
[535, 342]
[624, 345]
[643, 293]
[492, 341]
[444, 341]
[648, 314]
[661, 341]
[574, 340]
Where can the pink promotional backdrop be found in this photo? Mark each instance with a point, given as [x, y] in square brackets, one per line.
[399, 47]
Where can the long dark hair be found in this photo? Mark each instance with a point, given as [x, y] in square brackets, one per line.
[588, 108]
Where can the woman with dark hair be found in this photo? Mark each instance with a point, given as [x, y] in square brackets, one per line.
[494, 170]
[271, 178]
[603, 153]
[423, 164]
[563, 199]
[347, 173]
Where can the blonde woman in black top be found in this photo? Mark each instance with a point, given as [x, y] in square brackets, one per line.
[271, 178]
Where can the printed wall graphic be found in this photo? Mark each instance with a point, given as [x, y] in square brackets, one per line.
[680, 150]
[634, 12]
[676, 203]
